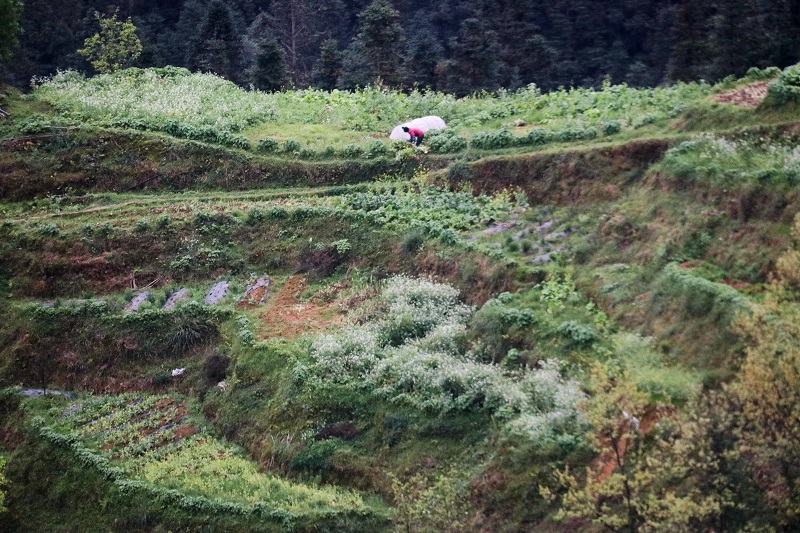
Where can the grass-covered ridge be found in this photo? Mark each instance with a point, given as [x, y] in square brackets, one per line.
[204, 107]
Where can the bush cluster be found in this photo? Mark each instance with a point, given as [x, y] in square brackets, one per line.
[785, 89]
[415, 355]
[445, 142]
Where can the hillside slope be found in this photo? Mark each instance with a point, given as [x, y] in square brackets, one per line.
[292, 338]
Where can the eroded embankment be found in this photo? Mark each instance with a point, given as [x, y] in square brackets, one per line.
[109, 161]
[572, 176]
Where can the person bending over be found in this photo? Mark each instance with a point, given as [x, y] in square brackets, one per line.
[416, 135]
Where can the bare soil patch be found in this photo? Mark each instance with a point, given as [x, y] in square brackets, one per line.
[749, 95]
[286, 316]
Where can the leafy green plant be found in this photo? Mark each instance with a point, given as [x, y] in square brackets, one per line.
[291, 146]
[580, 335]
[352, 151]
[611, 127]
[786, 89]
[267, 145]
[34, 124]
[502, 138]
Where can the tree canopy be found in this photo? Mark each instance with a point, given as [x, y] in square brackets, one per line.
[460, 45]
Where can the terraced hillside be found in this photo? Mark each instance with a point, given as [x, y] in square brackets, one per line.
[576, 312]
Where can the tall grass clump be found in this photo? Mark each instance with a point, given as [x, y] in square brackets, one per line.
[735, 163]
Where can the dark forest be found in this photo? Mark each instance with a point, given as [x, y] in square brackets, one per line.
[457, 46]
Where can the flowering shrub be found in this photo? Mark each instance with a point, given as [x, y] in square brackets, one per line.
[415, 354]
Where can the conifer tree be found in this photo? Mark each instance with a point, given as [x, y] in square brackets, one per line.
[269, 71]
[10, 11]
[217, 47]
[329, 66]
[382, 37]
[424, 52]
[474, 65]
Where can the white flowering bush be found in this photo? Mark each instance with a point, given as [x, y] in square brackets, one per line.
[151, 98]
[415, 355]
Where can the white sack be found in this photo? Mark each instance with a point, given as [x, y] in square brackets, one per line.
[424, 123]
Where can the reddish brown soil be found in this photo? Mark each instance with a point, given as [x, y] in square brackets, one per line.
[253, 298]
[747, 96]
[286, 316]
[606, 463]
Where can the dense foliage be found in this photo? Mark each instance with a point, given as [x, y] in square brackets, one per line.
[459, 46]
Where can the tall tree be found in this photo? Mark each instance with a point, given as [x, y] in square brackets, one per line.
[767, 391]
[644, 480]
[269, 71]
[116, 45]
[424, 52]
[217, 47]
[291, 23]
[474, 64]
[328, 67]
[382, 39]
[10, 11]
[690, 57]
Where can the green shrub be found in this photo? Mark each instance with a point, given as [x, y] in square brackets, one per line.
[238, 141]
[611, 127]
[34, 124]
[645, 119]
[575, 133]
[786, 89]
[291, 146]
[377, 149]
[49, 229]
[413, 241]
[316, 457]
[352, 151]
[758, 74]
[581, 335]
[267, 145]
[502, 138]
[163, 221]
[702, 297]
[142, 225]
[538, 137]
[445, 141]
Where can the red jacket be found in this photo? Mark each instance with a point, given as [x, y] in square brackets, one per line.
[416, 132]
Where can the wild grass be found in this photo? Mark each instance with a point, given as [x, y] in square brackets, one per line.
[203, 106]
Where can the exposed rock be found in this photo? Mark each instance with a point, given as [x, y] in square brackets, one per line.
[217, 293]
[182, 294]
[136, 302]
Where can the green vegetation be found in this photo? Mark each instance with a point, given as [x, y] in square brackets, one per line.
[115, 47]
[208, 108]
[578, 311]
